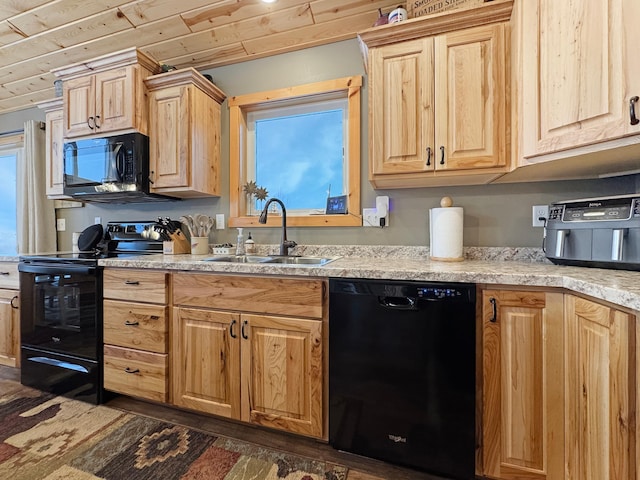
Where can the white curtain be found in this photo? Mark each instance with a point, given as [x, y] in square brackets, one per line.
[36, 213]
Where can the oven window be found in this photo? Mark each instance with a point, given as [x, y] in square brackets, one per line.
[62, 313]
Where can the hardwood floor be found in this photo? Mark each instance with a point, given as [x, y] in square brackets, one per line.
[360, 468]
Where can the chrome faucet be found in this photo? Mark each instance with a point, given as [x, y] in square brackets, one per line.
[285, 244]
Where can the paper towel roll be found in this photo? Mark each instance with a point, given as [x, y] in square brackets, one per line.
[445, 233]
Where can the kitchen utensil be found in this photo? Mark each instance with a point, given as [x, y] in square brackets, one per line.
[90, 237]
[204, 223]
[189, 221]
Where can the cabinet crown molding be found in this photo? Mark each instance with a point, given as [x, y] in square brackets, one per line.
[122, 58]
[429, 25]
[185, 76]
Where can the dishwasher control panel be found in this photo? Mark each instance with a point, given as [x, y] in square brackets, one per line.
[440, 293]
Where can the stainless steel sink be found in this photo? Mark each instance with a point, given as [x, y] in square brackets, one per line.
[284, 260]
[311, 261]
[238, 259]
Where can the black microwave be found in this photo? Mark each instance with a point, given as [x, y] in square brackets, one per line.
[109, 170]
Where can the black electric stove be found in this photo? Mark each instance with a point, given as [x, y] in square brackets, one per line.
[61, 312]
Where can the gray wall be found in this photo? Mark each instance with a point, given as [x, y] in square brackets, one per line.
[495, 215]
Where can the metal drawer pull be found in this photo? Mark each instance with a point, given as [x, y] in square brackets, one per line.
[15, 297]
[632, 110]
[442, 155]
[130, 370]
[244, 335]
[231, 325]
[428, 156]
[92, 127]
[131, 282]
[96, 121]
[131, 324]
[494, 316]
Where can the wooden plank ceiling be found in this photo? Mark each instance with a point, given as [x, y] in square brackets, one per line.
[39, 35]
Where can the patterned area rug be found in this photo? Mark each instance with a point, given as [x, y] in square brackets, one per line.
[47, 437]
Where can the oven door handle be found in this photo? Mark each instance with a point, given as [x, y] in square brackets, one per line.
[57, 269]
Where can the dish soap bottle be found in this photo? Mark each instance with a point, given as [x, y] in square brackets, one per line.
[250, 246]
[240, 243]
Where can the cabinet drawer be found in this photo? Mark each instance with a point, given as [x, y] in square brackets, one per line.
[136, 373]
[137, 285]
[9, 275]
[279, 296]
[136, 325]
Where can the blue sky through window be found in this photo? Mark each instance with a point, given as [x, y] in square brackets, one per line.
[8, 208]
[299, 157]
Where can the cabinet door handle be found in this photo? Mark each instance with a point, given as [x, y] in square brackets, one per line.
[96, 121]
[151, 177]
[15, 297]
[131, 282]
[92, 127]
[231, 325]
[494, 314]
[442, 155]
[131, 324]
[428, 156]
[4, 273]
[632, 110]
[132, 370]
[243, 333]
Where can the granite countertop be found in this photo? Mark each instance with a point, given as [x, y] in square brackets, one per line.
[518, 267]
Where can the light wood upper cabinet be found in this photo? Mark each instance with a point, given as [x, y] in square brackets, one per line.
[54, 140]
[579, 73]
[438, 103]
[574, 76]
[106, 102]
[599, 401]
[401, 107]
[184, 134]
[471, 102]
[106, 94]
[522, 385]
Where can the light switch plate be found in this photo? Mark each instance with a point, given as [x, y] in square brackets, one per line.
[61, 224]
[219, 221]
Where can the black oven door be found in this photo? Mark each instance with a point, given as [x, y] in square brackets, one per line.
[61, 309]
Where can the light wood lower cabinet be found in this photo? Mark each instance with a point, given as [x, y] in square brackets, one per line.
[260, 360]
[136, 333]
[9, 328]
[522, 384]
[599, 401]
[558, 399]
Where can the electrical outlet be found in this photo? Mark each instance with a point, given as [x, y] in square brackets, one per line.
[369, 217]
[219, 221]
[61, 224]
[539, 211]
[379, 216]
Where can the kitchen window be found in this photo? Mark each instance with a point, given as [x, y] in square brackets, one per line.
[300, 144]
[10, 154]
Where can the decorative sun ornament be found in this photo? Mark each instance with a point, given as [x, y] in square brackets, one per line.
[261, 193]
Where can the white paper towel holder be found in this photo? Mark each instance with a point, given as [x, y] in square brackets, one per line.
[445, 203]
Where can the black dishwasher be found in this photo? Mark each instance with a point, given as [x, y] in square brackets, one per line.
[402, 373]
